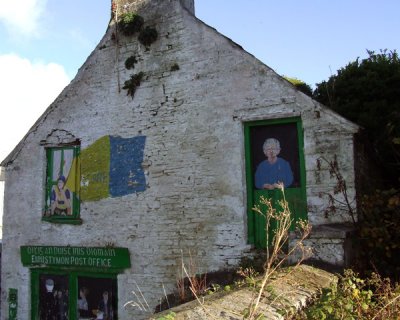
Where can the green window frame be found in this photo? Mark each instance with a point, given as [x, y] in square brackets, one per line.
[67, 284]
[62, 190]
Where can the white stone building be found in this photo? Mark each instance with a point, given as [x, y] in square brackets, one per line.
[1, 200]
[108, 191]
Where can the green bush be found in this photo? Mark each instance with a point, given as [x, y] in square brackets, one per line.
[147, 36]
[353, 298]
[301, 85]
[130, 23]
[379, 227]
[130, 62]
[175, 67]
[169, 316]
[367, 92]
[131, 84]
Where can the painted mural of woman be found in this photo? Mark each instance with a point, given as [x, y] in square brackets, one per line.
[60, 198]
[274, 170]
[61, 182]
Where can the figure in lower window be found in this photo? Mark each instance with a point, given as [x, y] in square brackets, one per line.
[105, 307]
[61, 299]
[47, 309]
[83, 307]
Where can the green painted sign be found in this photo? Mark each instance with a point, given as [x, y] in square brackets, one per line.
[78, 257]
[12, 303]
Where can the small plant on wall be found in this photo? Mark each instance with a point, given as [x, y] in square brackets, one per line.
[147, 36]
[175, 67]
[130, 62]
[130, 23]
[131, 84]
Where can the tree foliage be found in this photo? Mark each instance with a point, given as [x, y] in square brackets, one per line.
[367, 92]
[301, 85]
[379, 232]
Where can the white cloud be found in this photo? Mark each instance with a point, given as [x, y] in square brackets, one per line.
[27, 89]
[22, 16]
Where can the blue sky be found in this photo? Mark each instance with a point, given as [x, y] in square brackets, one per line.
[44, 42]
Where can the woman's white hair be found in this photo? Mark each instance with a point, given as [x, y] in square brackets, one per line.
[271, 142]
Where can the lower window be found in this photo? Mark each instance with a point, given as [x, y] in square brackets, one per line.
[73, 295]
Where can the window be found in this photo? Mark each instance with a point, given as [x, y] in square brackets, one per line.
[73, 295]
[274, 154]
[71, 283]
[62, 185]
[53, 296]
[97, 297]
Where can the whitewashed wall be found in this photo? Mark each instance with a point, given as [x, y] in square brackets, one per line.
[195, 199]
[1, 207]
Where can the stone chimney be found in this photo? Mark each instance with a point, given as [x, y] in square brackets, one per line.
[188, 4]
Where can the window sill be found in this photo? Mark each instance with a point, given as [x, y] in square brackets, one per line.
[63, 220]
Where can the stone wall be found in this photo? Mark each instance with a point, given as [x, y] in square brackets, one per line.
[287, 293]
[194, 202]
[1, 200]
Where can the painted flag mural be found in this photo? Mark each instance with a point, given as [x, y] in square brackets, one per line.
[112, 167]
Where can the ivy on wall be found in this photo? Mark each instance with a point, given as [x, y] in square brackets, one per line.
[131, 84]
[129, 24]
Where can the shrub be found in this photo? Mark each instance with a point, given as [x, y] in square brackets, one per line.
[356, 298]
[147, 36]
[301, 85]
[130, 23]
[367, 92]
[130, 62]
[131, 84]
[277, 254]
[169, 316]
[379, 232]
[175, 67]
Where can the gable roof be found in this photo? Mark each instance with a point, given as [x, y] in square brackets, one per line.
[346, 124]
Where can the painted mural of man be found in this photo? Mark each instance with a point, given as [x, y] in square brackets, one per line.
[105, 308]
[274, 170]
[60, 198]
[47, 307]
[61, 304]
